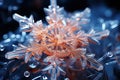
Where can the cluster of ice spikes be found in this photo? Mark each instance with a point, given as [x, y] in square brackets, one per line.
[61, 40]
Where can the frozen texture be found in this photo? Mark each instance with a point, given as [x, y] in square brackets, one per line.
[62, 38]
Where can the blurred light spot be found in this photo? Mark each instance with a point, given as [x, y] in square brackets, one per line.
[66, 79]
[1, 2]
[33, 65]
[18, 36]
[103, 26]
[114, 24]
[11, 8]
[7, 40]
[12, 36]
[108, 13]
[19, 1]
[26, 73]
[44, 78]
[110, 54]
[5, 36]
[1, 47]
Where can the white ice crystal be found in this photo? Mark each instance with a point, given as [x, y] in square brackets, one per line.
[62, 38]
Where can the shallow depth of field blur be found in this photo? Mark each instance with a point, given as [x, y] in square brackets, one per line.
[105, 14]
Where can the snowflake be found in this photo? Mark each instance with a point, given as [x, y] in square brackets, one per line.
[62, 39]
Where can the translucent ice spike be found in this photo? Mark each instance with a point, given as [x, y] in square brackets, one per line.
[15, 54]
[117, 54]
[20, 18]
[94, 64]
[102, 58]
[108, 54]
[24, 22]
[51, 66]
[52, 9]
[54, 69]
[93, 40]
[53, 75]
[82, 16]
[87, 12]
[36, 78]
[55, 72]
[27, 57]
[100, 35]
[53, 4]
[98, 76]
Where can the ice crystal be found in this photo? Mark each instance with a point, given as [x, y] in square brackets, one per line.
[62, 39]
